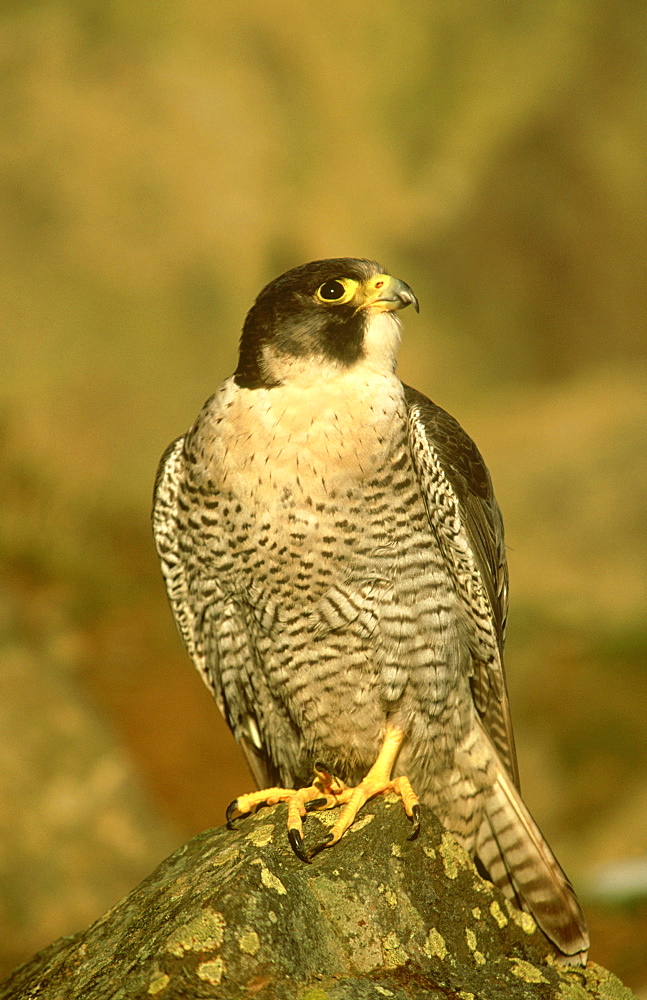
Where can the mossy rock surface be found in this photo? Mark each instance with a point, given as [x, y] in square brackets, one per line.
[236, 914]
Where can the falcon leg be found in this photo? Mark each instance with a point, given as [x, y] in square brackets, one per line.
[377, 781]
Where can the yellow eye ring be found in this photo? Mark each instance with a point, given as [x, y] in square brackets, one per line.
[336, 291]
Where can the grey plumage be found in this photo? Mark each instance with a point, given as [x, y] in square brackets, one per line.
[334, 559]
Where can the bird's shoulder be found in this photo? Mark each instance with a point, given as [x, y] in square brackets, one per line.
[167, 477]
[462, 461]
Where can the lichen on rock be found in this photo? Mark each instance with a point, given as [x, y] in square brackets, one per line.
[236, 913]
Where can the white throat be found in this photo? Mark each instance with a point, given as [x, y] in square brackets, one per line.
[381, 342]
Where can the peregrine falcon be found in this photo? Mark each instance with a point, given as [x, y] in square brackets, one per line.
[334, 558]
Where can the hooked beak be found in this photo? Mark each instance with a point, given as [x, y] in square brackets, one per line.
[385, 293]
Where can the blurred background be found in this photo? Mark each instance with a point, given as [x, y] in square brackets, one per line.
[158, 164]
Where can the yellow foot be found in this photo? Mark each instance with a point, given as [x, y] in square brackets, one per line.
[321, 794]
[327, 791]
[354, 798]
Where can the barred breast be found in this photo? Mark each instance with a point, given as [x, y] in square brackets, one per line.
[324, 603]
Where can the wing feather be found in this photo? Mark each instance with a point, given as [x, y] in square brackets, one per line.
[202, 635]
[168, 544]
[446, 458]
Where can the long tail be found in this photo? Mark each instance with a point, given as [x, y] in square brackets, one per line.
[518, 860]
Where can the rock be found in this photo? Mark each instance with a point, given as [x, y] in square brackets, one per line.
[236, 914]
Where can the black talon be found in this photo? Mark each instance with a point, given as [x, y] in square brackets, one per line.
[296, 843]
[315, 850]
[415, 819]
[231, 809]
[315, 804]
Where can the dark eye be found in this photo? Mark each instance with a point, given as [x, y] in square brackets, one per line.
[330, 291]
[337, 291]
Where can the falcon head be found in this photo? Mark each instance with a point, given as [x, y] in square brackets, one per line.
[321, 318]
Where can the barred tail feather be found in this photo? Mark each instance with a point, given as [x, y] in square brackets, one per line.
[519, 861]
